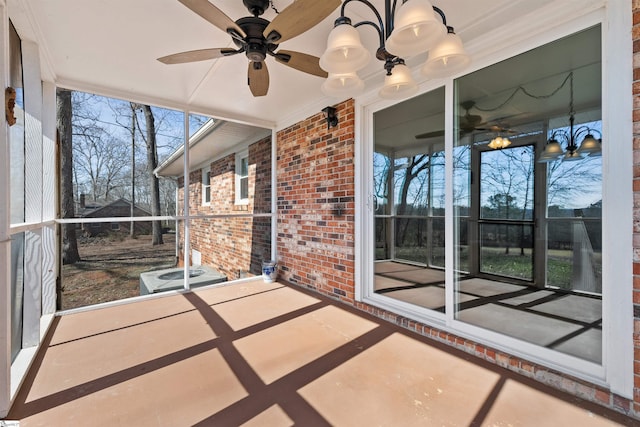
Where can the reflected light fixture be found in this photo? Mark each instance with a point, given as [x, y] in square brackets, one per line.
[499, 142]
[415, 29]
[590, 146]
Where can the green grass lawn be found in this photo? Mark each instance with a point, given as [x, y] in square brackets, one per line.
[495, 261]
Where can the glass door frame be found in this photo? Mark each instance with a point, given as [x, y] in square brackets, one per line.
[476, 221]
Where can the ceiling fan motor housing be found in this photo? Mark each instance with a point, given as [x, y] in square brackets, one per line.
[256, 45]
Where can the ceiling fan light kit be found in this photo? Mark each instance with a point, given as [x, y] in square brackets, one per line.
[499, 142]
[414, 30]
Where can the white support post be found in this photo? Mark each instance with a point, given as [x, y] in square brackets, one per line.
[49, 199]
[33, 191]
[274, 195]
[617, 202]
[185, 202]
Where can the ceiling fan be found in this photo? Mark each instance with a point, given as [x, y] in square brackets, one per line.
[256, 37]
[467, 123]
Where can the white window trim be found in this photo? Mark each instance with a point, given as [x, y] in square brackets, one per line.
[616, 371]
[205, 171]
[239, 156]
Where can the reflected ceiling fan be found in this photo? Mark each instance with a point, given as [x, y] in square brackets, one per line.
[256, 37]
[468, 123]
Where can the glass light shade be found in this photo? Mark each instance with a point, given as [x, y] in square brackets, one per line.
[552, 151]
[345, 53]
[446, 58]
[399, 84]
[590, 146]
[571, 156]
[416, 29]
[343, 86]
[499, 142]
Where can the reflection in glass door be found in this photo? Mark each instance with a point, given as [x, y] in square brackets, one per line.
[408, 196]
[505, 223]
[528, 228]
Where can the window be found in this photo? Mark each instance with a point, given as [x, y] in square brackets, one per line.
[206, 186]
[409, 202]
[529, 227]
[525, 254]
[115, 226]
[242, 178]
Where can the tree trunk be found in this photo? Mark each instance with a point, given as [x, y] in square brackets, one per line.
[70, 254]
[152, 164]
[132, 226]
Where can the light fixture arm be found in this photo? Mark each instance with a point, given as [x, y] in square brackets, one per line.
[383, 31]
[444, 18]
[389, 11]
[381, 52]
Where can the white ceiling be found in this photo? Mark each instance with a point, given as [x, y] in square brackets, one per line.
[110, 47]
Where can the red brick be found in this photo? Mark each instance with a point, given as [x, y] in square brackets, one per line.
[603, 396]
[310, 163]
[224, 253]
[621, 403]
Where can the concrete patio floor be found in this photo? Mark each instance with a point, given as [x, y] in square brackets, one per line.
[258, 354]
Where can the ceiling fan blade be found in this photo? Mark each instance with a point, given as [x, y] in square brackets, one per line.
[198, 55]
[297, 18]
[301, 61]
[258, 78]
[497, 129]
[430, 134]
[214, 15]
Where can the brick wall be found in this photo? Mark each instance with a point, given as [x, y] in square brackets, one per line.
[233, 246]
[636, 201]
[316, 190]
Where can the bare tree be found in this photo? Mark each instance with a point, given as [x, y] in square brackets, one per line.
[410, 171]
[149, 138]
[99, 156]
[100, 161]
[111, 161]
[70, 254]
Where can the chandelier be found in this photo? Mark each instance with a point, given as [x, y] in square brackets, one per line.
[415, 29]
[590, 146]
